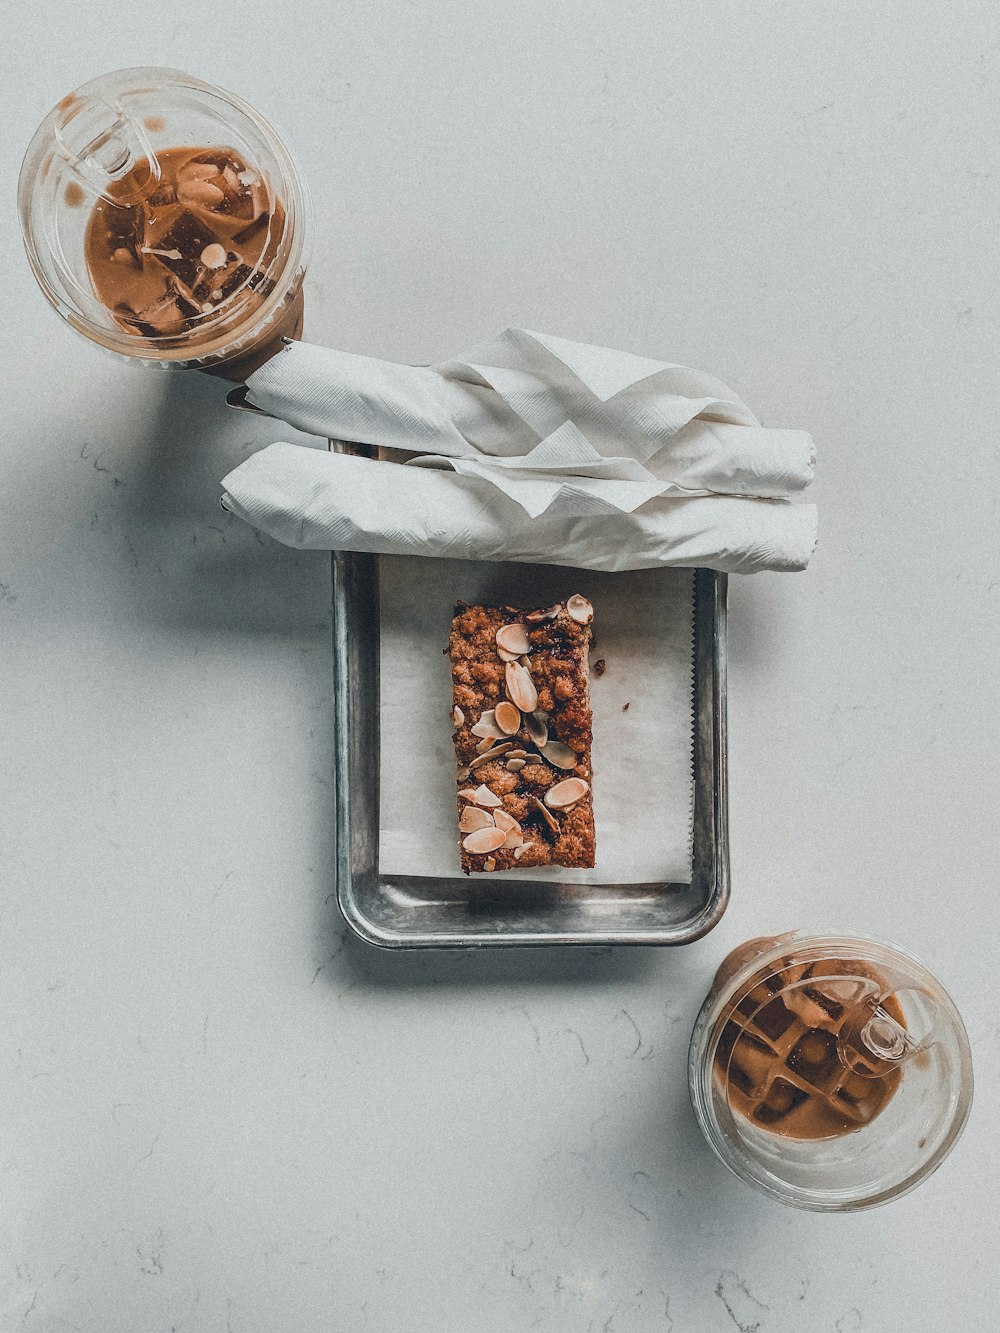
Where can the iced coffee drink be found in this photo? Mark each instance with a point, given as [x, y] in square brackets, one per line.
[165, 219]
[832, 1073]
[200, 241]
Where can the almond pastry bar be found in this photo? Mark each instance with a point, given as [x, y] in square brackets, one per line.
[523, 735]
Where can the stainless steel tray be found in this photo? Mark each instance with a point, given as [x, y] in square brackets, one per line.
[397, 912]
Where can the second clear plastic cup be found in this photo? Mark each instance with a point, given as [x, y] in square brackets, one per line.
[833, 1073]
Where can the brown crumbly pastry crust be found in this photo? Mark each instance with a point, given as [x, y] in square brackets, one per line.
[518, 776]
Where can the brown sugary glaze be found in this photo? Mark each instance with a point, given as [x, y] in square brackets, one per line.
[200, 243]
[778, 1060]
[558, 650]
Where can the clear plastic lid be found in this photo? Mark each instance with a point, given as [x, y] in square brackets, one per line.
[96, 160]
[832, 1072]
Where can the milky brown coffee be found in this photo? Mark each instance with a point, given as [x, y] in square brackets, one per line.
[190, 261]
[787, 1059]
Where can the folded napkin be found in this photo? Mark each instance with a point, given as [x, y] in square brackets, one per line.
[528, 448]
[319, 501]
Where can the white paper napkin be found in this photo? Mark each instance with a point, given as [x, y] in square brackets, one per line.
[320, 501]
[528, 448]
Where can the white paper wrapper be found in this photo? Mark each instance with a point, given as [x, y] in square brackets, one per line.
[528, 448]
[320, 501]
[548, 422]
[641, 755]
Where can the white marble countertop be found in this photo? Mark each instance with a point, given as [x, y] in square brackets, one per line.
[220, 1113]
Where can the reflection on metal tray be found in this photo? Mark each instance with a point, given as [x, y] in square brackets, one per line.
[397, 912]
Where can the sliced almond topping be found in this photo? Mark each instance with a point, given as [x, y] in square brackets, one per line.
[537, 730]
[203, 193]
[483, 796]
[546, 814]
[488, 756]
[515, 765]
[513, 639]
[513, 839]
[580, 609]
[457, 716]
[198, 171]
[566, 793]
[484, 840]
[463, 772]
[487, 727]
[521, 687]
[541, 714]
[214, 255]
[519, 851]
[489, 864]
[526, 663]
[487, 743]
[507, 718]
[533, 617]
[467, 794]
[518, 754]
[505, 821]
[473, 818]
[505, 656]
[558, 755]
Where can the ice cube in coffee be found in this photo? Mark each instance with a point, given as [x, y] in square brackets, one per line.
[194, 254]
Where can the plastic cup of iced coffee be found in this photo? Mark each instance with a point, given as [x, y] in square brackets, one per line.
[165, 220]
[831, 1072]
